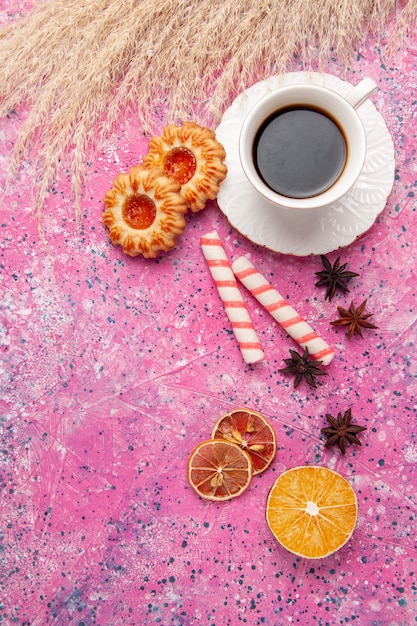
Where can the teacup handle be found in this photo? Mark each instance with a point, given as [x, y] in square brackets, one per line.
[361, 92]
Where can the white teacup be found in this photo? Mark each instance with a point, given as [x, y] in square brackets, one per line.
[303, 146]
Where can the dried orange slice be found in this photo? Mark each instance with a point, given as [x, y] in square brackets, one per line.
[311, 511]
[219, 470]
[252, 432]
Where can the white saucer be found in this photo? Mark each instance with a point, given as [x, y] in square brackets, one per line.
[322, 230]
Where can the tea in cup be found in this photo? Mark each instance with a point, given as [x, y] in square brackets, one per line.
[303, 146]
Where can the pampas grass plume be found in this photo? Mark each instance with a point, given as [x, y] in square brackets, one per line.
[78, 64]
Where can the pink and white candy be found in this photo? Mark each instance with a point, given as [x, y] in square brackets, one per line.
[231, 297]
[282, 311]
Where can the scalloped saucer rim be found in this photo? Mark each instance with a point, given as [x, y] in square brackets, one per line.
[322, 230]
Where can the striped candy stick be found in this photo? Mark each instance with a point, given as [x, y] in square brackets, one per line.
[231, 297]
[281, 311]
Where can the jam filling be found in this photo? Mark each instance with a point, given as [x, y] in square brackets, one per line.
[180, 164]
[139, 211]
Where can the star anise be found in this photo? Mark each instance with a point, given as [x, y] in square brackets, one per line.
[300, 366]
[334, 277]
[341, 431]
[355, 319]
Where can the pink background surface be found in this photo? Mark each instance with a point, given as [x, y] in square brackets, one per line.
[113, 369]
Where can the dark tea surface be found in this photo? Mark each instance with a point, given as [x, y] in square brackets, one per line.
[299, 151]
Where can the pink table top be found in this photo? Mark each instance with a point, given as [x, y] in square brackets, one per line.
[114, 368]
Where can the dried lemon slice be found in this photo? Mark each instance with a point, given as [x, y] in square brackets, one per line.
[219, 470]
[252, 432]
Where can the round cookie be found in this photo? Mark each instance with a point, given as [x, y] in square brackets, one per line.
[191, 155]
[144, 211]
